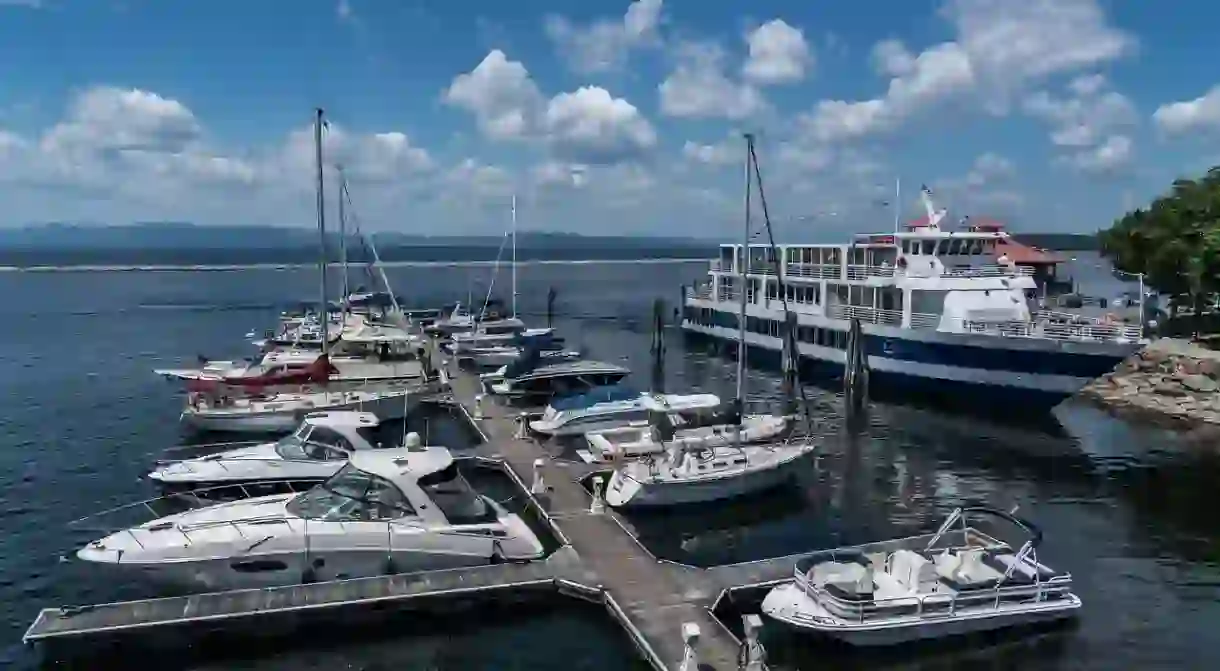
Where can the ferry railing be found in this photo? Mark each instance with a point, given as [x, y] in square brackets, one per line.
[823, 271]
[863, 272]
[864, 313]
[1042, 326]
[703, 292]
[720, 267]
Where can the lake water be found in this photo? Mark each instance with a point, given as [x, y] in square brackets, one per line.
[1125, 508]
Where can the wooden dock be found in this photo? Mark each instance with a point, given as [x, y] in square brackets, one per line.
[600, 560]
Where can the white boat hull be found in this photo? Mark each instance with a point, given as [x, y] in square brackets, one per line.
[791, 607]
[221, 419]
[628, 492]
[292, 568]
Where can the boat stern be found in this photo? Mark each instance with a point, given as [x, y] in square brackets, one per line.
[623, 491]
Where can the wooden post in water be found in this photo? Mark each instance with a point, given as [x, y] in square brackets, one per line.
[855, 371]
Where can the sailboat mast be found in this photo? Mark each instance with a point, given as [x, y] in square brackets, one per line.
[324, 312]
[744, 269]
[514, 256]
[343, 237]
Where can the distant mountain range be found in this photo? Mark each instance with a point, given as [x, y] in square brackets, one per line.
[174, 243]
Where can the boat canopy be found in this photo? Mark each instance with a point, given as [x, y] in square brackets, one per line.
[607, 394]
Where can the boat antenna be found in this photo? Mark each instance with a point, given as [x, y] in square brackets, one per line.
[781, 288]
[897, 204]
[324, 314]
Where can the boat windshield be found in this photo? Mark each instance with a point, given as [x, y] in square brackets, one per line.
[293, 446]
[352, 495]
[456, 498]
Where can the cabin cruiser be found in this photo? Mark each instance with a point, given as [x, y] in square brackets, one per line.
[548, 345]
[956, 581]
[613, 407]
[535, 379]
[214, 410]
[687, 472]
[727, 428]
[315, 451]
[384, 512]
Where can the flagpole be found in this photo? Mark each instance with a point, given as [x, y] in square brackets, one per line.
[897, 203]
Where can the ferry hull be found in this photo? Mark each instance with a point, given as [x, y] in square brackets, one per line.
[943, 372]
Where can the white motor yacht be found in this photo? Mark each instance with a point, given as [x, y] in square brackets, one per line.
[282, 412]
[614, 407]
[956, 581]
[502, 355]
[384, 512]
[315, 451]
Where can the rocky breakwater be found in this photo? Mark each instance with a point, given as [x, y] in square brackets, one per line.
[1170, 379]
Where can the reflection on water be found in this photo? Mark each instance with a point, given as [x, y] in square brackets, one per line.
[1124, 508]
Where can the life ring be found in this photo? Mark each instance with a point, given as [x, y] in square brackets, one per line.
[902, 262]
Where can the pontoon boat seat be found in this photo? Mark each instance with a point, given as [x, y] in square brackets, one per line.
[1000, 560]
[844, 574]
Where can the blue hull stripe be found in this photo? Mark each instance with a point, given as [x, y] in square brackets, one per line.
[987, 358]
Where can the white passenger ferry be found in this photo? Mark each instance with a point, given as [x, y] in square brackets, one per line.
[941, 315]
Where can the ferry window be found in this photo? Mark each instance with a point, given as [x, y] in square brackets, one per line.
[976, 247]
[929, 247]
[840, 339]
[791, 255]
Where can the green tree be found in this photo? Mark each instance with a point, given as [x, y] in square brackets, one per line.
[1174, 242]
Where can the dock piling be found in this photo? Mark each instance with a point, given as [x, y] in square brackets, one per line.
[598, 505]
[522, 425]
[753, 656]
[539, 485]
[690, 656]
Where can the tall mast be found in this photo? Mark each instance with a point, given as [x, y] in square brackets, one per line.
[514, 256]
[343, 236]
[324, 312]
[744, 269]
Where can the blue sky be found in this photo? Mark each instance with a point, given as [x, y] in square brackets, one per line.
[602, 116]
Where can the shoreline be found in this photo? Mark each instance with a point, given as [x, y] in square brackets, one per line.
[1173, 383]
[154, 268]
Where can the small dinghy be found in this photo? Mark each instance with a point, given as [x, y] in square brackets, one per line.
[319, 447]
[956, 581]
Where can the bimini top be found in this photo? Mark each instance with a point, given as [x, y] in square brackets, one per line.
[607, 394]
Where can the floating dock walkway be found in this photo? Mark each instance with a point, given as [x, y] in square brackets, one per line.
[664, 606]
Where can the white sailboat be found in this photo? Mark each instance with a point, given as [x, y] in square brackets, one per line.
[235, 405]
[691, 467]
